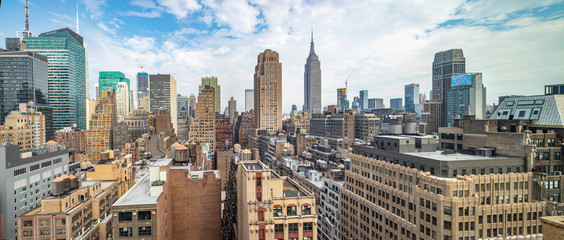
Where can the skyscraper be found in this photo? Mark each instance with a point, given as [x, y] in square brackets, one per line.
[162, 91]
[342, 98]
[249, 99]
[202, 129]
[183, 105]
[108, 80]
[363, 100]
[411, 96]
[100, 135]
[65, 51]
[142, 84]
[467, 96]
[446, 64]
[23, 79]
[312, 82]
[122, 101]
[232, 108]
[212, 82]
[268, 92]
[395, 103]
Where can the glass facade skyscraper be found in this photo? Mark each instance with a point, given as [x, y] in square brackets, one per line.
[411, 97]
[108, 80]
[67, 75]
[23, 78]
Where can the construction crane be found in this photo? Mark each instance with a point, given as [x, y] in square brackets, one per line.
[139, 64]
[347, 81]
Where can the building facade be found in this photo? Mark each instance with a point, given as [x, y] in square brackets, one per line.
[411, 96]
[66, 55]
[342, 98]
[312, 82]
[74, 139]
[137, 123]
[122, 101]
[249, 99]
[232, 110]
[142, 86]
[26, 179]
[396, 104]
[202, 128]
[366, 126]
[162, 88]
[109, 81]
[23, 79]
[212, 82]
[100, 135]
[382, 200]
[268, 92]
[243, 129]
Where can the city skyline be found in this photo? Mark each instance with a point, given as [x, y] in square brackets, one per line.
[212, 40]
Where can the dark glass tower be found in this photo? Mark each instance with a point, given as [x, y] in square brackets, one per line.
[312, 82]
[446, 64]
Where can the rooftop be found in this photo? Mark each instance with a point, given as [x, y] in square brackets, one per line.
[161, 162]
[253, 166]
[438, 155]
[291, 190]
[140, 193]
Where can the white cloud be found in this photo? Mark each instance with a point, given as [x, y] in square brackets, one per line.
[94, 7]
[180, 8]
[149, 14]
[145, 4]
[382, 45]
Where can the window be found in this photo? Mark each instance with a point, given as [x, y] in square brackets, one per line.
[277, 211]
[260, 214]
[279, 228]
[306, 209]
[61, 231]
[125, 217]
[293, 227]
[125, 232]
[308, 226]
[144, 231]
[44, 232]
[291, 210]
[44, 222]
[60, 222]
[447, 225]
[448, 210]
[28, 233]
[144, 215]
[28, 223]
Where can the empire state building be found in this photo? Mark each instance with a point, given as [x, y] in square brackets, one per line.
[312, 82]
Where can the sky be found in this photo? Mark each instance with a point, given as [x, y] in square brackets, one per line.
[379, 46]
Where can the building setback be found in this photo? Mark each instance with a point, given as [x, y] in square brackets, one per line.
[67, 74]
[268, 92]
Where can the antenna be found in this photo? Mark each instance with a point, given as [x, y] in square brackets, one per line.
[26, 16]
[77, 27]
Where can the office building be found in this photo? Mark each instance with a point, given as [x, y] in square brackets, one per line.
[182, 105]
[232, 110]
[339, 129]
[396, 104]
[252, 189]
[375, 103]
[109, 80]
[411, 97]
[100, 135]
[249, 99]
[467, 96]
[312, 81]
[430, 117]
[162, 88]
[329, 211]
[67, 74]
[399, 202]
[553, 89]
[142, 85]
[212, 82]
[122, 101]
[553, 227]
[268, 92]
[18, 131]
[223, 132]
[342, 98]
[202, 128]
[446, 64]
[363, 100]
[24, 78]
[366, 126]
[26, 179]
[243, 129]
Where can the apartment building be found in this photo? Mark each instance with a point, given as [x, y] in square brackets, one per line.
[74, 139]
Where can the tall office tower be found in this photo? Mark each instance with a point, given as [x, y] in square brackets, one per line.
[312, 82]
[162, 88]
[249, 99]
[67, 75]
[109, 81]
[202, 129]
[23, 79]
[97, 87]
[395, 104]
[430, 115]
[268, 92]
[363, 100]
[99, 136]
[446, 64]
[142, 84]
[212, 82]
[183, 104]
[36, 171]
[17, 131]
[35, 118]
[131, 101]
[232, 108]
[192, 105]
[342, 98]
[371, 103]
[122, 101]
[467, 96]
[411, 97]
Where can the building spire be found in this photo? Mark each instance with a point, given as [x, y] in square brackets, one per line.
[26, 16]
[311, 47]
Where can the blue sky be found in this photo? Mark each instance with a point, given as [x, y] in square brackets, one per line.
[383, 45]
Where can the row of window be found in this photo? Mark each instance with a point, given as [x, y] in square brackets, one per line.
[293, 227]
[128, 216]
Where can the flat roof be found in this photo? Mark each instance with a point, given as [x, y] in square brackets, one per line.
[253, 166]
[291, 190]
[139, 194]
[393, 137]
[161, 162]
[437, 155]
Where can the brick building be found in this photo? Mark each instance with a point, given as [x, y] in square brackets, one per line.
[243, 129]
[74, 139]
[223, 131]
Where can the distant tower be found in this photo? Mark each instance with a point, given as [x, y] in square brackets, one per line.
[312, 81]
[212, 82]
[446, 64]
[268, 92]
